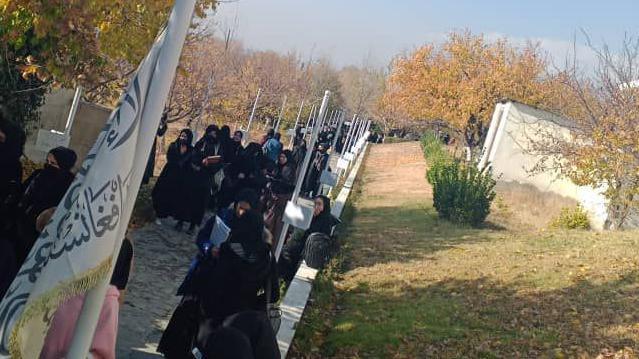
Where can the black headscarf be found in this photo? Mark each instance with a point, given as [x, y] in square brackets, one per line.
[247, 195]
[211, 128]
[225, 133]
[289, 157]
[246, 248]
[189, 136]
[65, 157]
[323, 222]
[223, 343]
[207, 135]
[253, 149]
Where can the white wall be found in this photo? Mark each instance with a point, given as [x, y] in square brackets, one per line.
[508, 146]
[89, 121]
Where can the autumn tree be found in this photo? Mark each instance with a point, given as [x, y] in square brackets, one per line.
[361, 88]
[20, 95]
[92, 43]
[602, 106]
[464, 77]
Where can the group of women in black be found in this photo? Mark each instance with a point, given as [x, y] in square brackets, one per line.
[24, 203]
[184, 188]
[226, 296]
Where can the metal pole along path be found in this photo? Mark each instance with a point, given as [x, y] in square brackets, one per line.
[348, 136]
[302, 174]
[74, 109]
[257, 98]
[297, 121]
[313, 120]
[308, 122]
[336, 118]
[330, 119]
[349, 140]
[340, 123]
[202, 106]
[165, 66]
[360, 133]
[279, 117]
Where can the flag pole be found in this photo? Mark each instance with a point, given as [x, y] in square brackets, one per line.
[279, 118]
[340, 123]
[302, 174]
[248, 127]
[165, 66]
[349, 136]
[77, 96]
[308, 122]
[297, 121]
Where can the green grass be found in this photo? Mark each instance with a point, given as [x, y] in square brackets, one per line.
[409, 285]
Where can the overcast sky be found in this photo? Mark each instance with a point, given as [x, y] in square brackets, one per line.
[349, 31]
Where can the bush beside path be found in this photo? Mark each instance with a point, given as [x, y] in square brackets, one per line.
[410, 285]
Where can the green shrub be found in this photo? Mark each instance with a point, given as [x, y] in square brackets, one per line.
[461, 192]
[571, 218]
[434, 150]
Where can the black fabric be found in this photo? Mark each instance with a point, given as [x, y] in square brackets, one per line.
[150, 164]
[199, 182]
[249, 165]
[224, 286]
[120, 276]
[298, 154]
[323, 222]
[178, 337]
[317, 250]
[257, 327]
[294, 248]
[8, 266]
[223, 343]
[241, 270]
[320, 160]
[42, 190]
[11, 168]
[65, 157]
[283, 181]
[167, 194]
[232, 182]
[247, 195]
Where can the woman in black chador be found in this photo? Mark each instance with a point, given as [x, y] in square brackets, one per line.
[226, 281]
[167, 191]
[42, 190]
[281, 185]
[323, 222]
[320, 161]
[206, 160]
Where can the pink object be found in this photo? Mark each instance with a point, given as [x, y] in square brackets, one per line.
[60, 333]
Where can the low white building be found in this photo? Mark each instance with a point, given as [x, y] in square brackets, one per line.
[508, 150]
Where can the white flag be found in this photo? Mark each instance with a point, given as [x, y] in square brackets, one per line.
[74, 252]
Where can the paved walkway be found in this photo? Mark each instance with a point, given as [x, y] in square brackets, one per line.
[162, 257]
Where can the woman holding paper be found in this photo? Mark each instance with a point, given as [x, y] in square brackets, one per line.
[206, 161]
[226, 280]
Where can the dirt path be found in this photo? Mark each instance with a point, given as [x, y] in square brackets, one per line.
[395, 174]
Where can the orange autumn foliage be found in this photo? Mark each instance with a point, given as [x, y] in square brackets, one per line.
[466, 76]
